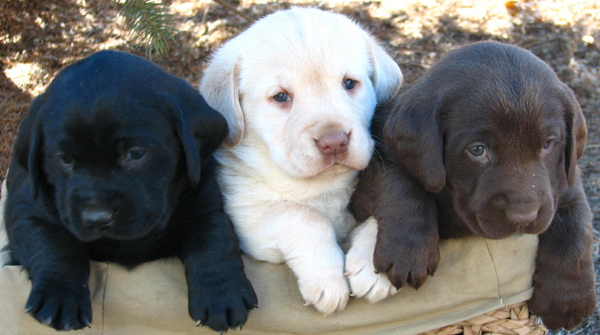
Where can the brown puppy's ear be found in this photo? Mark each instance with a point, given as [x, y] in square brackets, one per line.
[27, 150]
[576, 133]
[219, 86]
[414, 137]
[200, 129]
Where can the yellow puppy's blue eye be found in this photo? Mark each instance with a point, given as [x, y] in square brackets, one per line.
[281, 97]
[349, 84]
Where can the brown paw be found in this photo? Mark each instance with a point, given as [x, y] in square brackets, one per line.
[407, 262]
[563, 299]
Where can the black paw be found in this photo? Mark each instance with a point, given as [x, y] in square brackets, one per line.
[222, 305]
[60, 305]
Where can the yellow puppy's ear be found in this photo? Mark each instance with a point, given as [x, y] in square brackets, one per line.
[386, 77]
[219, 87]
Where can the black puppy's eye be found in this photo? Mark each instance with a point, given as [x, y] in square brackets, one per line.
[477, 150]
[133, 158]
[136, 153]
[281, 97]
[65, 161]
[349, 84]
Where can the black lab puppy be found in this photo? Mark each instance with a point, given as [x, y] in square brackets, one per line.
[114, 163]
[485, 144]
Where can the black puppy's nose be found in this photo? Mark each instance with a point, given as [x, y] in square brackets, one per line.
[97, 216]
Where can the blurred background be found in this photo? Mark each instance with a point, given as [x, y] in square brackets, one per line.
[39, 38]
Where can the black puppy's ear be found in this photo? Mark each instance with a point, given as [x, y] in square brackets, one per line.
[413, 135]
[576, 133]
[200, 129]
[27, 150]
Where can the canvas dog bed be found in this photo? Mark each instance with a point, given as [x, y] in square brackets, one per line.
[475, 276]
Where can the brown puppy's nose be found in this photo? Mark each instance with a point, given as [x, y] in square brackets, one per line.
[522, 218]
[333, 144]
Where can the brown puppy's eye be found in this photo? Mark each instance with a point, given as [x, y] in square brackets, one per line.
[349, 84]
[477, 150]
[281, 97]
[548, 144]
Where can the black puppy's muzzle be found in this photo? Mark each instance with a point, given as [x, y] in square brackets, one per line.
[100, 211]
[98, 217]
[95, 212]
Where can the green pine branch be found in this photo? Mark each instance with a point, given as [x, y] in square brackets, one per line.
[150, 24]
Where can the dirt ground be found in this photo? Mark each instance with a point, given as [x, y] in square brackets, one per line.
[39, 38]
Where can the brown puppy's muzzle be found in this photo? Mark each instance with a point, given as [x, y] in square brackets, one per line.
[501, 207]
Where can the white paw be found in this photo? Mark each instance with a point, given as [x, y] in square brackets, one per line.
[364, 281]
[328, 292]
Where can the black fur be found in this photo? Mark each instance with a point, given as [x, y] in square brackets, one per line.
[114, 163]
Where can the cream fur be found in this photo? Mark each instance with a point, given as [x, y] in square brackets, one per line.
[364, 281]
[287, 200]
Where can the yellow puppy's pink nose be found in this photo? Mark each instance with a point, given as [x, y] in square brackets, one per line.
[333, 144]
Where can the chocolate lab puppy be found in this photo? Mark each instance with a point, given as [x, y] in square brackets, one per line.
[114, 163]
[485, 144]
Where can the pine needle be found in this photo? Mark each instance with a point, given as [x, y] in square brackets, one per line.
[150, 24]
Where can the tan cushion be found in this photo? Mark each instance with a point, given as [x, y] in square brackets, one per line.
[474, 276]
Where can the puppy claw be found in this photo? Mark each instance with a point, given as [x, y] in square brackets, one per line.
[198, 323]
[307, 303]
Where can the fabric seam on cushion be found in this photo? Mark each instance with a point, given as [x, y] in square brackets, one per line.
[495, 273]
[104, 295]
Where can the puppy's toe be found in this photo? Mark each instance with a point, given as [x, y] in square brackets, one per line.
[217, 320]
[355, 263]
[381, 289]
[360, 270]
[333, 299]
[60, 305]
[327, 294]
[366, 282]
[223, 306]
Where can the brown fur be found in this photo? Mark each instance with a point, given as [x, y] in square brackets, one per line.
[431, 185]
